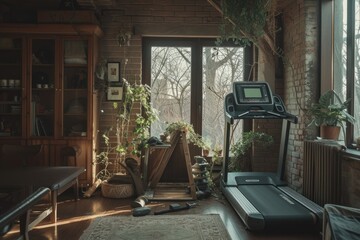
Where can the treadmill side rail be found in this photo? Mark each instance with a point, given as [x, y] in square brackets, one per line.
[313, 207]
[251, 217]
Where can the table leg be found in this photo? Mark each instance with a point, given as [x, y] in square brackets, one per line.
[77, 189]
[53, 215]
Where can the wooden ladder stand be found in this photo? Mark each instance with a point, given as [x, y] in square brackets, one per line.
[162, 163]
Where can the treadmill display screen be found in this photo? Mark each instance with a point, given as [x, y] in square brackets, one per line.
[252, 93]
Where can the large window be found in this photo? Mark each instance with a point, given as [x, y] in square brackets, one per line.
[189, 79]
[346, 79]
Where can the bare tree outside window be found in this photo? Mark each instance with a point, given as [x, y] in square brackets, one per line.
[171, 87]
[341, 41]
[340, 49]
[357, 71]
[221, 67]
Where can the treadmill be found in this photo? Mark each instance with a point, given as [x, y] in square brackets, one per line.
[262, 199]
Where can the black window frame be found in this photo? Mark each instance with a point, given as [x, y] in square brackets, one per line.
[196, 45]
[327, 62]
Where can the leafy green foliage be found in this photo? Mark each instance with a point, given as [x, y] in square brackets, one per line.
[191, 135]
[130, 139]
[330, 110]
[241, 160]
[244, 21]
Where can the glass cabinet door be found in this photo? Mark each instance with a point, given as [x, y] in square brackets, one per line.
[11, 81]
[75, 88]
[42, 107]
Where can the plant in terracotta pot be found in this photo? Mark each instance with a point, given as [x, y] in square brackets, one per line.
[206, 148]
[330, 114]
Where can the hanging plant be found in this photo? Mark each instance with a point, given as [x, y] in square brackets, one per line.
[244, 20]
[248, 21]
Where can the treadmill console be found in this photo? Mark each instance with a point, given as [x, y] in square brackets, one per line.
[253, 96]
[252, 100]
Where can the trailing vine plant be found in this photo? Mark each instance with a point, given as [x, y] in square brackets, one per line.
[244, 21]
[129, 142]
[191, 135]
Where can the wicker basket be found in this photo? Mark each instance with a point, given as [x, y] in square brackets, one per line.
[117, 190]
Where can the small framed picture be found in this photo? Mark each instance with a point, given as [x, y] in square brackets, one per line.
[114, 93]
[113, 71]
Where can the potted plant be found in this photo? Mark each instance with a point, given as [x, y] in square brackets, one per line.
[330, 113]
[206, 148]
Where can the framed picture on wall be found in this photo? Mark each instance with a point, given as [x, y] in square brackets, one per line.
[114, 93]
[113, 71]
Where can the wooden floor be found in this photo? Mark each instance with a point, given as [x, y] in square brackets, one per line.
[75, 217]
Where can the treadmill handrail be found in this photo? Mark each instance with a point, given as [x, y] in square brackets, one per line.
[264, 115]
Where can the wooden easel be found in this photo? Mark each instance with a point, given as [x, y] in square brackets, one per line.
[171, 191]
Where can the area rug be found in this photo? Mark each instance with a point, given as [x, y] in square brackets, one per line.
[164, 227]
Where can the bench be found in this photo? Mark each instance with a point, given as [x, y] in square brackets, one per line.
[57, 179]
[20, 211]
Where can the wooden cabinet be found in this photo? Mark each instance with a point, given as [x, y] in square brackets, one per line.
[46, 90]
[11, 86]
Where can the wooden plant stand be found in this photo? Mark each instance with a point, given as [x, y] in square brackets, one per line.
[171, 191]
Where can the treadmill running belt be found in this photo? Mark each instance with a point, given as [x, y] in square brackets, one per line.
[278, 209]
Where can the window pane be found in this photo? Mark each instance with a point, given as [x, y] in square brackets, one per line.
[340, 41]
[357, 71]
[221, 67]
[170, 85]
[340, 31]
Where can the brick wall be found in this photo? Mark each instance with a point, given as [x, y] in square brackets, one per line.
[300, 44]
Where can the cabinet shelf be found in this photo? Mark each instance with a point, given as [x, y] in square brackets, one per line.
[10, 89]
[10, 64]
[50, 114]
[42, 89]
[75, 65]
[45, 65]
[75, 114]
[75, 90]
[10, 114]
[9, 103]
[10, 49]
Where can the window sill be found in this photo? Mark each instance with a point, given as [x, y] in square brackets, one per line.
[351, 154]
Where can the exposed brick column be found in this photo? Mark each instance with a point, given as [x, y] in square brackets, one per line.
[301, 71]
